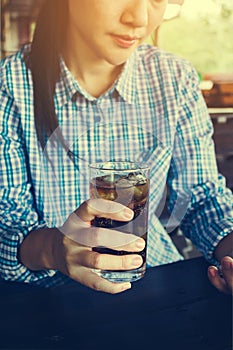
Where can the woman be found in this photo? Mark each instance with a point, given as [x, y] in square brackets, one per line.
[87, 90]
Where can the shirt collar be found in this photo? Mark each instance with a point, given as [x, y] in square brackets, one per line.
[68, 86]
[127, 82]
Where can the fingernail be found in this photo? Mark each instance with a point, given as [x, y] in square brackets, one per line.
[140, 244]
[136, 261]
[213, 272]
[226, 265]
[128, 213]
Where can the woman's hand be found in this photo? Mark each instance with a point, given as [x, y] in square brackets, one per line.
[222, 280]
[72, 250]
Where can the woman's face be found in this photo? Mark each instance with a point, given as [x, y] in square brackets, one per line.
[110, 30]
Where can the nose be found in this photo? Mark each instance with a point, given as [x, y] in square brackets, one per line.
[136, 13]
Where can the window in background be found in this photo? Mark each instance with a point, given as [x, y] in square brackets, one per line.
[17, 23]
[202, 33]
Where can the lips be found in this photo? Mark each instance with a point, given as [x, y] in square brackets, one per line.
[124, 40]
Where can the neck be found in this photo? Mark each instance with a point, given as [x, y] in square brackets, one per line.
[96, 76]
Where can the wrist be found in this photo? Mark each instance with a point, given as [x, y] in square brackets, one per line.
[37, 249]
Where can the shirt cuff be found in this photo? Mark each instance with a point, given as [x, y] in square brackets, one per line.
[216, 233]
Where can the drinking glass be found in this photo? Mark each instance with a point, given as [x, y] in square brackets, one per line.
[126, 183]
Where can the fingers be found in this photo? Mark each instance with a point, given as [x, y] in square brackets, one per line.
[96, 260]
[81, 232]
[223, 283]
[102, 237]
[103, 208]
[78, 228]
[93, 281]
[137, 244]
[85, 256]
[216, 280]
[227, 271]
[80, 259]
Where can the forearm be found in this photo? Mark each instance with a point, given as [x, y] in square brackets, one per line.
[225, 247]
[37, 249]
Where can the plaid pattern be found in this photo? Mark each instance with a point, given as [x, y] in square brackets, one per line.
[154, 113]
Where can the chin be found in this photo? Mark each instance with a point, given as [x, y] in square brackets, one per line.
[118, 60]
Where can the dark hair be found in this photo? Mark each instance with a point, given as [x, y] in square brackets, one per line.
[44, 63]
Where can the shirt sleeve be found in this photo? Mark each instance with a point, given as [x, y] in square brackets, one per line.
[17, 208]
[199, 198]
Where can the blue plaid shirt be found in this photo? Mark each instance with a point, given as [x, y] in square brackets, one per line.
[154, 113]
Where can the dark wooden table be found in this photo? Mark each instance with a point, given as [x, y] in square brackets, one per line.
[174, 307]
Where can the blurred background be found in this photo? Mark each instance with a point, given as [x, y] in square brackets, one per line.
[198, 30]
